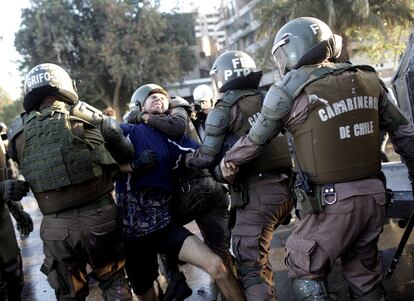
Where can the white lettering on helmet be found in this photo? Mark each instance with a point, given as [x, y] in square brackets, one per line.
[38, 78]
[315, 27]
[227, 73]
[246, 71]
[239, 72]
[236, 61]
[245, 62]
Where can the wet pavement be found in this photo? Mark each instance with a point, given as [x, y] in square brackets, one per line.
[399, 288]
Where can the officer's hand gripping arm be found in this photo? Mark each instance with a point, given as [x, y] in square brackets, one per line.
[146, 161]
[13, 190]
[23, 219]
[226, 171]
[172, 124]
[135, 117]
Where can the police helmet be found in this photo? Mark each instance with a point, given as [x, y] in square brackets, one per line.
[203, 97]
[141, 94]
[304, 41]
[234, 70]
[47, 79]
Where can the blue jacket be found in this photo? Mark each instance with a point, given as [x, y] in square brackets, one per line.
[143, 211]
[170, 152]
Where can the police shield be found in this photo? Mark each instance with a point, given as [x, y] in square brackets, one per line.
[403, 81]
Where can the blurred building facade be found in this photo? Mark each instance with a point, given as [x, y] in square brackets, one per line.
[234, 26]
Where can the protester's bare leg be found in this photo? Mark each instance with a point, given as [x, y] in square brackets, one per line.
[196, 253]
[148, 296]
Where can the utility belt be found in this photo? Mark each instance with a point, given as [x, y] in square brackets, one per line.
[312, 198]
[74, 196]
[96, 204]
[102, 202]
[239, 189]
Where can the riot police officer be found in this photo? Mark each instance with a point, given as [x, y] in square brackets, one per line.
[67, 152]
[334, 112]
[11, 272]
[203, 103]
[260, 196]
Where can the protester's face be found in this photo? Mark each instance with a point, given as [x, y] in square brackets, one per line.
[156, 103]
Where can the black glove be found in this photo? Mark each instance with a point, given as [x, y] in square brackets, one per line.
[23, 219]
[217, 174]
[135, 117]
[147, 160]
[13, 190]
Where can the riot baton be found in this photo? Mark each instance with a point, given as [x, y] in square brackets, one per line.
[401, 246]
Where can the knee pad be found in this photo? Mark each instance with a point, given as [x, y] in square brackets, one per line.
[310, 289]
[116, 288]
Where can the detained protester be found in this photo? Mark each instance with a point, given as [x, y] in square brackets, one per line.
[143, 199]
[196, 196]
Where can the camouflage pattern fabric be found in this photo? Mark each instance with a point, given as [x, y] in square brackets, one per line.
[143, 212]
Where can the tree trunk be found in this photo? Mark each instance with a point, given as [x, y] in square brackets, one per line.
[345, 52]
[115, 100]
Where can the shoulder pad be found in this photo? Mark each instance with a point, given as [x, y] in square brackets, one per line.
[276, 104]
[179, 102]
[217, 121]
[230, 97]
[295, 81]
[87, 113]
[16, 127]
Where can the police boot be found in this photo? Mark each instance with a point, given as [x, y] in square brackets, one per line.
[116, 287]
[3, 291]
[373, 295]
[177, 289]
[310, 289]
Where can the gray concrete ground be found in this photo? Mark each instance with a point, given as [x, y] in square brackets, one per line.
[399, 288]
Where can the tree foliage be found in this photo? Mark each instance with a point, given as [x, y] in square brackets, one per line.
[10, 110]
[111, 46]
[369, 26]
